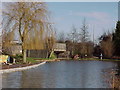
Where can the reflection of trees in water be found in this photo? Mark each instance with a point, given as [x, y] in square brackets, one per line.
[118, 66]
[115, 79]
[31, 80]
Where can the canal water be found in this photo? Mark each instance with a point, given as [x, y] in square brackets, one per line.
[63, 74]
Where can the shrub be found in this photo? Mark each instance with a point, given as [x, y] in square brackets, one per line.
[52, 56]
[18, 57]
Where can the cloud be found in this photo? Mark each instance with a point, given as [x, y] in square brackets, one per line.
[95, 15]
[101, 21]
[98, 18]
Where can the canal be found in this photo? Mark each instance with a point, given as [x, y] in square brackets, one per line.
[63, 74]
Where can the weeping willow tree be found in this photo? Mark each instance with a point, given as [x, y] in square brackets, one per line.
[30, 23]
[49, 41]
[7, 43]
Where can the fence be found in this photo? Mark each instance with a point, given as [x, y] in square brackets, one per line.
[37, 53]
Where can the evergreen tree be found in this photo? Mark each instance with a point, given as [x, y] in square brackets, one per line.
[116, 39]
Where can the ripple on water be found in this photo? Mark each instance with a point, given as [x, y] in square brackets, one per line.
[63, 74]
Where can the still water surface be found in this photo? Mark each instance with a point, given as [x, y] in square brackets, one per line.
[63, 74]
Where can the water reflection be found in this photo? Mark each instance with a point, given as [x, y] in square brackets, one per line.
[118, 67]
[63, 74]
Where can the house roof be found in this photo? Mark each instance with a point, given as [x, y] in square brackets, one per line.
[60, 47]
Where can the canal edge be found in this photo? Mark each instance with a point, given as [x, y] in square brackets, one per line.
[21, 68]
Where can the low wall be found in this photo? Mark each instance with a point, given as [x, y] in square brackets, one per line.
[21, 68]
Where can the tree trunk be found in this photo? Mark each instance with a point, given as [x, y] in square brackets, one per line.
[47, 56]
[29, 53]
[24, 55]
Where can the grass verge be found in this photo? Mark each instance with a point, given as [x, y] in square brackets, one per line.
[98, 59]
[35, 60]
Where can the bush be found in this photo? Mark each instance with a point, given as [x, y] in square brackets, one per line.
[52, 56]
[18, 57]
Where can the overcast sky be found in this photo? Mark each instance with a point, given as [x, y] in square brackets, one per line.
[100, 16]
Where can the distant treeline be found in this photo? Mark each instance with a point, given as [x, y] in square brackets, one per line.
[78, 42]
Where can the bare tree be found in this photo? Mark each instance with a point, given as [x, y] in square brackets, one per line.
[106, 44]
[84, 36]
[84, 33]
[73, 36]
[6, 42]
[29, 20]
[61, 37]
[50, 41]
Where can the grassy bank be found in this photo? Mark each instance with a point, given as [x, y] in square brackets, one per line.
[19, 62]
[35, 60]
[92, 59]
[98, 59]
[30, 60]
